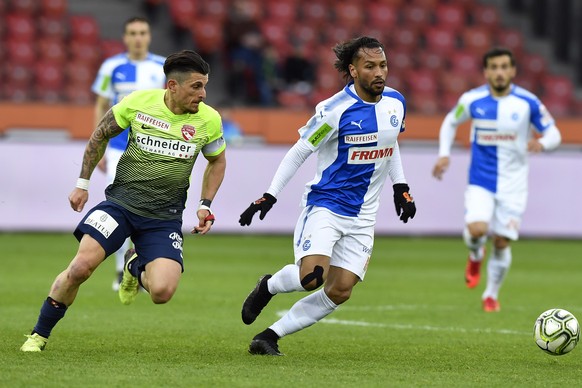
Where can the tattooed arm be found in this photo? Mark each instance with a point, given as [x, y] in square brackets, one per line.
[106, 129]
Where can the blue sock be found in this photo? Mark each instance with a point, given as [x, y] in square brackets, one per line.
[50, 313]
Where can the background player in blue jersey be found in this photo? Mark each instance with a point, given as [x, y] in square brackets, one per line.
[118, 76]
[502, 116]
[355, 136]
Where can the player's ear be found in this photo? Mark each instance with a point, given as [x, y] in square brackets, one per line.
[353, 72]
[172, 84]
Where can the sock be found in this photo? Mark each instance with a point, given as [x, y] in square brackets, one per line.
[134, 268]
[120, 256]
[476, 245]
[497, 269]
[304, 313]
[285, 280]
[50, 314]
[268, 335]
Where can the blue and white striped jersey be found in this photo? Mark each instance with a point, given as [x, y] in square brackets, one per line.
[356, 144]
[118, 76]
[500, 130]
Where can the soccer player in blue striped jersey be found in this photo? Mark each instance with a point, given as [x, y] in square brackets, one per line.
[503, 115]
[119, 75]
[354, 134]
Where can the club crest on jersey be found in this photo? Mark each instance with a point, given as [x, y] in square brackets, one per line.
[394, 120]
[188, 132]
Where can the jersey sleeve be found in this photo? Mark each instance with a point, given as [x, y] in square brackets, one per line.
[102, 83]
[123, 112]
[319, 128]
[216, 143]
[540, 117]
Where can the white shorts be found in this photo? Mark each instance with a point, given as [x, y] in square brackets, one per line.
[112, 156]
[503, 212]
[347, 241]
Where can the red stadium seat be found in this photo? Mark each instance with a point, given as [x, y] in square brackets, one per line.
[79, 95]
[395, 81]
[20, 26]
[512, 39]
[305, 33]
[558, 87]
[214, 9]
[84, 28]
[17, 74]
[404, 37]
[21, 52]
[48, 81]
[111, 47]
[382, 15]
[182, 12]
[448, 101]
[52, 50]
[440, 40]
[400, 61]
[86, 52]
[476, 40]
[451, 16]
[558, 107]
[80, 74]
[486, 16]
[416, 16]
[53, 8]
[207, 36]
[532, 66]
[15, 92]
[422, 82]
[292, 100]
[336, 33]
[277, 35]
[530, 84]
[454, 83]
[429, 60]
[26, 7]
[348, 13]
[284, 11]
[315, 11]
[465, 63]
[53, 27]
[423, 103]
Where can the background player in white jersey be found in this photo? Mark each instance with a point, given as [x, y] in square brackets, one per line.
[169, 128]
[119, 75]
[355, 136]
[502, 116]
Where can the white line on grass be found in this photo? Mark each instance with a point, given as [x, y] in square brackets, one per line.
[399, 326]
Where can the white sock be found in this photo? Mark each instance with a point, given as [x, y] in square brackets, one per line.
[304, 313]
[119, 255]
[285, 280]
[497, 269]
[476, 245]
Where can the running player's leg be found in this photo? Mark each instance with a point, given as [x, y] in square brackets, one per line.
[479, 207]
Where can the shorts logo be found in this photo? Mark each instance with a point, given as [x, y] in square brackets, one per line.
[102, 222]
[306, 245]
[394, 120]
[177, 243]
[188, 132]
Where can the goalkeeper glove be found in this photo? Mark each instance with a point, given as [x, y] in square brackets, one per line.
[404, 202]
[264, 204]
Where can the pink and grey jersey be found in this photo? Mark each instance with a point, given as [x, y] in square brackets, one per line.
[356, 144]
[500, 130]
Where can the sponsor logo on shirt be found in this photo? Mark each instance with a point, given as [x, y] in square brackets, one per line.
[366, 155]
[102, 222]
[489, 138]
[150, 121]
[361, 139]
[319, 135]
[167, 147]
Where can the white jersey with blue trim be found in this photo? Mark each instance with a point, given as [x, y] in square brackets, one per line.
[500, 130]
[118, 76]
[356, 144]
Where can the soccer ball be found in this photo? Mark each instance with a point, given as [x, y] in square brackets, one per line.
[556, 331]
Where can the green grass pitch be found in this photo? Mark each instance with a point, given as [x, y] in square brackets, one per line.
[412, 323]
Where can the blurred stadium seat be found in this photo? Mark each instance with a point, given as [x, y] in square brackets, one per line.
[53, 8]
[84, 28]
[19, 26]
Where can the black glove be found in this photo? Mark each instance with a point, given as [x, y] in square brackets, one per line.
[264, 204]
[404, 202]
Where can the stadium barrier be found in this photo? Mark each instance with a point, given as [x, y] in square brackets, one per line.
[276, 126]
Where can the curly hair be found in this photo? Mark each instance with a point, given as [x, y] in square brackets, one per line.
[347, 52]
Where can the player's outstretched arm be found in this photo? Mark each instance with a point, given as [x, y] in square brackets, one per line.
[441, 165]
[106, 129]
[213, 177]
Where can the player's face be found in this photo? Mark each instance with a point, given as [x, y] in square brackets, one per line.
[369, 72]
[137, 39]
[188, 93]
[499, 73]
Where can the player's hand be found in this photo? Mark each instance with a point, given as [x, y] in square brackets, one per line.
[440, 167]
[205, 221]
[264, 204]
[534, 146]
[405, 207]
[78, 198]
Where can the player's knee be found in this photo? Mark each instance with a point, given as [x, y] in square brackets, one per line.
[500, 242]
[338, 295]
[79, 271]
[161, 294]
[477, 229]
[314, 279]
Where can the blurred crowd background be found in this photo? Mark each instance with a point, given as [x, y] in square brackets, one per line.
[277, 53]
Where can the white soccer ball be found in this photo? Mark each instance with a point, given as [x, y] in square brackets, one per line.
[556, 331]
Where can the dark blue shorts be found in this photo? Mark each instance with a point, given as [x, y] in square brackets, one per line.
[111, 224]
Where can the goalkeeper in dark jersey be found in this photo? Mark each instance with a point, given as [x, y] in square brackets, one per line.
[168, 129]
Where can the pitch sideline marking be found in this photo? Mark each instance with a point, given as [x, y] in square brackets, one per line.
[399, 326]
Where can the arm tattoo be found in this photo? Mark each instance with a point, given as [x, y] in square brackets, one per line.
[106, 129]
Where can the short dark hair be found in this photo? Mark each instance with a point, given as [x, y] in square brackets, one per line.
[498, 52]
[185, 61]
[346, 52]
[134, 19]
